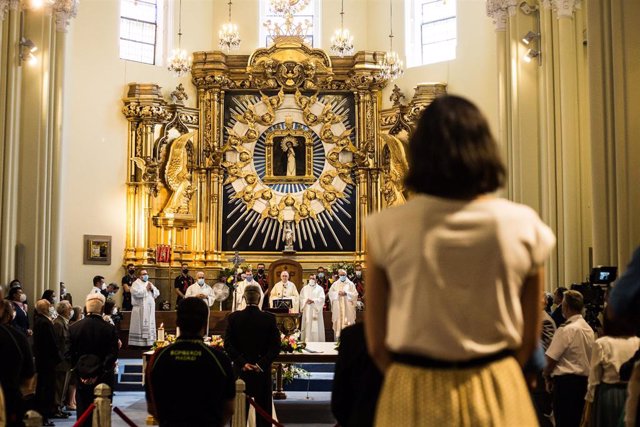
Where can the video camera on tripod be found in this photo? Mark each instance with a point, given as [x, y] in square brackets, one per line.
[594, 292]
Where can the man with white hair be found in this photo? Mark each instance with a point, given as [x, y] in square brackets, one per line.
[343, 296]
[239, 302]
[285, 289]
[142, 332]
[311, 304]
[94, 351]
[201, 290]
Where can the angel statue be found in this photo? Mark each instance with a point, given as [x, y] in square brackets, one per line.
[178, 177]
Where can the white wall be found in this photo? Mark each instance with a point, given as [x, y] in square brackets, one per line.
[95, 131]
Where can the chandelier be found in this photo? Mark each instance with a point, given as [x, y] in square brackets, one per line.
[179, 61]
[391, 66]
[287, 9]
[342, 40]
[229, 35]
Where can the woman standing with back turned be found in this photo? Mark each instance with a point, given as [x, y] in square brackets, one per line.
[455, 280]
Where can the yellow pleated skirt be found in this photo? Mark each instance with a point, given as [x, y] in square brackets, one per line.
[492, 395]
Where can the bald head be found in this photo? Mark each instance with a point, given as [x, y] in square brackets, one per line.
[42, 307]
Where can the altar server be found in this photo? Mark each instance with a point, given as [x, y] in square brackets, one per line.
[343, 296]
[311, 304]
[239, 302]
[203, 291]
[142, 331]
[285, 289]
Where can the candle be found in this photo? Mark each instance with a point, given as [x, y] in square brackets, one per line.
[161, 332]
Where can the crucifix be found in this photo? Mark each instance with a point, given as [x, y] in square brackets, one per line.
[236, 259]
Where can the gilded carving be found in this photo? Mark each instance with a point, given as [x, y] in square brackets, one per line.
[178, 176]
[394, 170]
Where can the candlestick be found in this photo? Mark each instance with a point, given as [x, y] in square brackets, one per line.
[161, 332]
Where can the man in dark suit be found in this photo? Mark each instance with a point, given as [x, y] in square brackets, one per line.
[94, 351]
[61, 327]
[47, 355]
[252, 341]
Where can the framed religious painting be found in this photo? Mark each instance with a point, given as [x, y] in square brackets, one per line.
[97, 250]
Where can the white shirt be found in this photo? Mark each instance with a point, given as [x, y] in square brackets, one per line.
[456, 270]
[571, 347]
[195, 290]
[608, 354]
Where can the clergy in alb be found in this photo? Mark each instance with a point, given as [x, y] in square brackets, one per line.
[142, 332]
[239, 302]
[285, 289]
[201, 290]
[343, 296]
[311, 303]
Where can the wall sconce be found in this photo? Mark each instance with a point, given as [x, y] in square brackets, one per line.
[27, 48]
[531, 53]
[530, 37]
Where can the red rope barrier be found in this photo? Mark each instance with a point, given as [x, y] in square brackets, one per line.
[263, 413]
[124, 417]
[85, 415]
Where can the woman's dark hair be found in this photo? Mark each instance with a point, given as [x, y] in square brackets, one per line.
[108, 306]
[13, 292]
[452, 153]
[48, 295]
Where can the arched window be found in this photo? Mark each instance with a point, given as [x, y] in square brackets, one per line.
[141, 30]
[310, 13]
[431, 31]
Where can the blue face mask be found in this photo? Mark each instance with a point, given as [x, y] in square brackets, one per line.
[145, 277]
[343, 278]
[249, 278]
[321, 275]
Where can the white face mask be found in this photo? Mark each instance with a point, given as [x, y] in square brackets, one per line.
[201, 282]
[114, 311]
[23, 297]
[52, 312]
[312, 282]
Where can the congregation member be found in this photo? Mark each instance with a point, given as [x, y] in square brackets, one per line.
[126, 282]
[64, 295]
[356, 382]
[252, 341]
[285, 290]
[540, 394]
[99, 286]
[50, 295]
[63, 339]
[94, 352]
[47, 356]
[311, 304]
[201, 290]
[343, 296]
[568, 359]
[17, 373]
[112, 290]
[606, 392]
[556, 315]
[197, 390]
[21, 320]
[239, 302]
[454, 281]
[182, 283]
[142, 329]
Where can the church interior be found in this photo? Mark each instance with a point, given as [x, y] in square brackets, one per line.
[224, 134]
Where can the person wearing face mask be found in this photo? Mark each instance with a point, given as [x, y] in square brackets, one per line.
[21, 320]
[64, 295]
[47, 356]
[239, 302]
[126, 282]
[182, 283]
[323, 281]
[142, 331]
[261, 279]
[201, 290]
[343, 297]
[99, 287]
[63, 339]
[50, 296]
[358, 280]
[285, 289]
[311, 303]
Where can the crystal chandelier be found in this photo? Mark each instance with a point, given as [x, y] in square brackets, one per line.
[391, 66]
[287, 8]
[229, 35]
[342, 40]
[179, 61]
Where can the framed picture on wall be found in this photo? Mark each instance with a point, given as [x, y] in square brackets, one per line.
[97, 250]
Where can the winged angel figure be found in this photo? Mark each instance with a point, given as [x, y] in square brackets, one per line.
[178, 177]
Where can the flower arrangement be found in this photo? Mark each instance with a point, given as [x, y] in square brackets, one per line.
[291, 343]
[290, 372]
[168, 339]
[217, 342]
[349, 267]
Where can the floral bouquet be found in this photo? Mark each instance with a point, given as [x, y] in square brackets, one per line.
[168, 339]
[217, 342]
[291, 343]
[290, 372]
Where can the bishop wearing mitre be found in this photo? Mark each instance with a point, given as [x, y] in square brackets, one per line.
[239, 303]
[311, 304]
[285, 289]
[343, 296]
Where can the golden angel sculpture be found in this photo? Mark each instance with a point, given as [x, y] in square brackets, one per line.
[395, 169]
[178, 177]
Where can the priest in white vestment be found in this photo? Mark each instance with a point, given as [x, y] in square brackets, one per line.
[201, 290]
[142, 331]
[311, 304]
[239, 302]
[343, 296]
[285, 289]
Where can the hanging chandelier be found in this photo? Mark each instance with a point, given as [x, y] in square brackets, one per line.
[342, 40]
[391, 66]
[287, 9]
[179, 61]
[229, 35]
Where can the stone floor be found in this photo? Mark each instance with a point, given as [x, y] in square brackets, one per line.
[299, 407]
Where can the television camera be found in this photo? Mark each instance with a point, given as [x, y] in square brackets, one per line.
[594, 291]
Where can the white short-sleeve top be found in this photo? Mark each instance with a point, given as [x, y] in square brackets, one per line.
[455, 270]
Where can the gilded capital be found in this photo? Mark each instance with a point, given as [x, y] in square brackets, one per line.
[144, 102]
